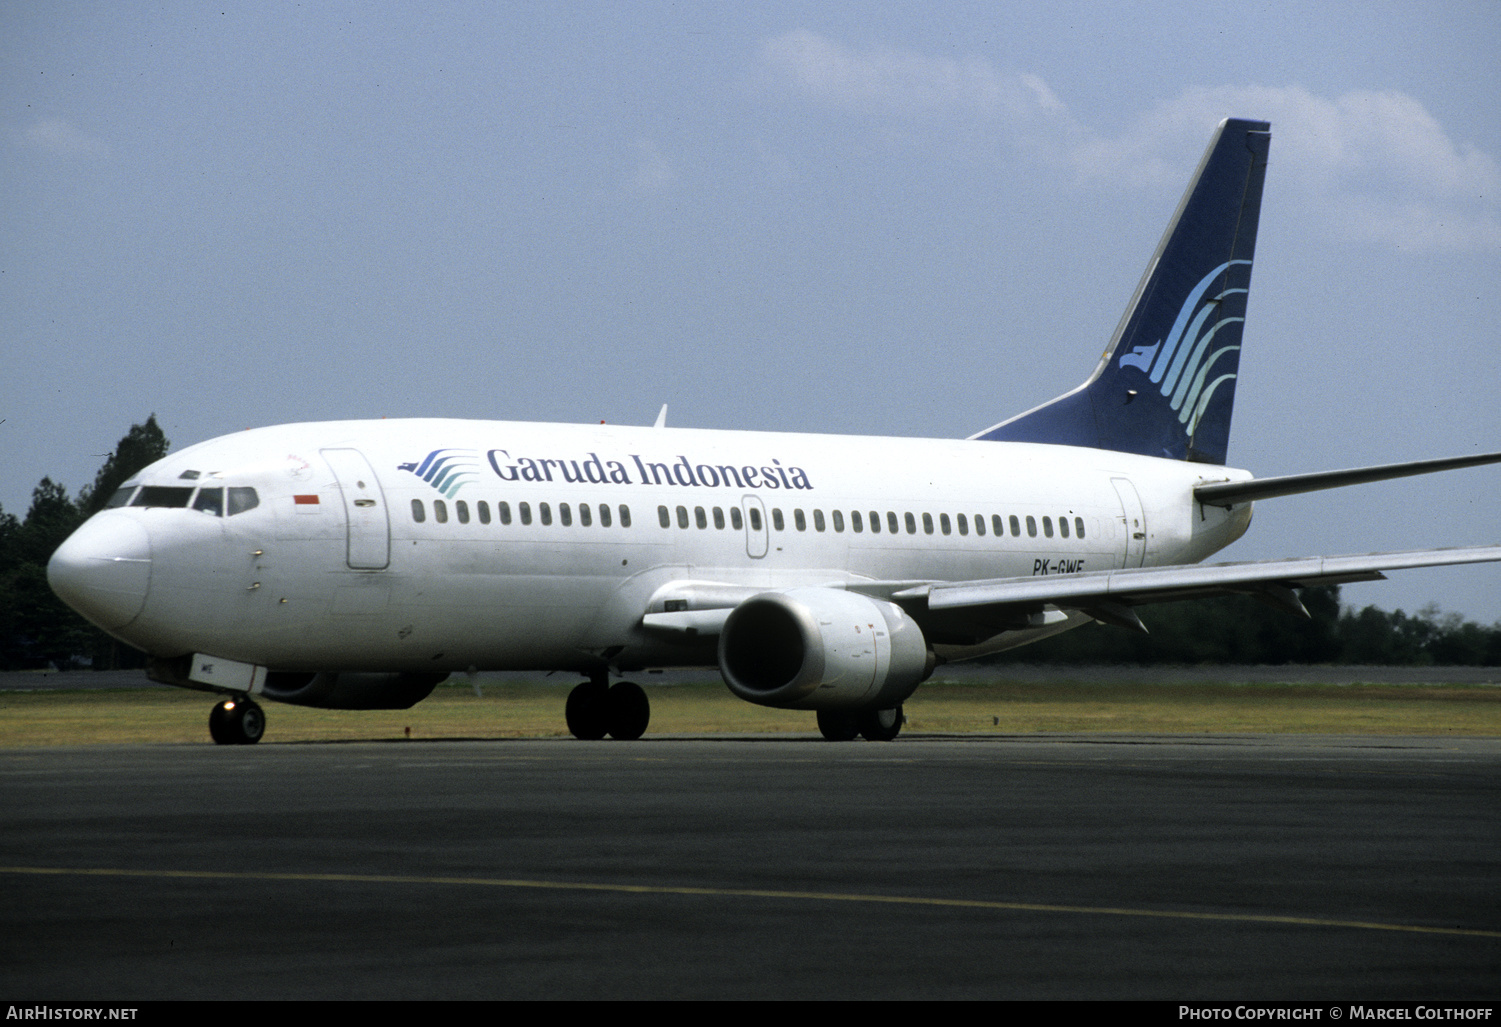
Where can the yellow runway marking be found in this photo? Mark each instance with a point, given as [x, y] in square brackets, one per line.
[746, 893]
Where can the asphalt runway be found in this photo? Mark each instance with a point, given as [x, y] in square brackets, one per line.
[1245, 867]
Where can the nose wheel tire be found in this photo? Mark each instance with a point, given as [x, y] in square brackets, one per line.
[236, 722]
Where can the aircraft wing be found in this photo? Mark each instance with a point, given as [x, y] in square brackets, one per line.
[1109, 595]
[967, 612]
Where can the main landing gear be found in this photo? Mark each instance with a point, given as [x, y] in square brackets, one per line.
[874, 725]
[237, 721]
[620, 710]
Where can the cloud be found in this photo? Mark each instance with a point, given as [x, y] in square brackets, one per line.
[886, 80]
[56, 136]
[1372, 165]
[653, 170]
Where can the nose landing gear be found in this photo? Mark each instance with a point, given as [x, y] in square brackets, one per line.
[236, 721]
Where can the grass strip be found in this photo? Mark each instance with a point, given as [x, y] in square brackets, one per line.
[535, 710]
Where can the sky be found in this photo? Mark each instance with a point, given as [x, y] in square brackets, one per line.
[858, 218]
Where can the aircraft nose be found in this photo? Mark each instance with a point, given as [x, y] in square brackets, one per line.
[103, 570]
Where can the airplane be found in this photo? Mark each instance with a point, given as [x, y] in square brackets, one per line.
[355, 564]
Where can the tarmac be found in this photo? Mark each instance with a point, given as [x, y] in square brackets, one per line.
[1084, 867]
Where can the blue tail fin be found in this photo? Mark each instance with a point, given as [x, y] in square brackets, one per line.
[1166, 385]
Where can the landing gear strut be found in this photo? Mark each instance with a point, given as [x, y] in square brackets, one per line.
[621, 710]
[236, 722]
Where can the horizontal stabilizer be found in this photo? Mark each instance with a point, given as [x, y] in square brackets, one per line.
[1229, 493]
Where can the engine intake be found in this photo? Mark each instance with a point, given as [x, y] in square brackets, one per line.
[822, 649]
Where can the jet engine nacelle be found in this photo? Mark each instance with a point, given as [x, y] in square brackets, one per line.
[822, 649]
[329, 691]
[351, 691]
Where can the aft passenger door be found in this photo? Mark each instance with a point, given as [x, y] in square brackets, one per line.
[1135, 520]
[364, 509]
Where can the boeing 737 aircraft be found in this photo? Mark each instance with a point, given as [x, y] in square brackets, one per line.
[355, 564]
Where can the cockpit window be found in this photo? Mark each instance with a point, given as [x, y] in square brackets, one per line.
[121, 497]
[164, 495]
[242, 499]
[210, 501]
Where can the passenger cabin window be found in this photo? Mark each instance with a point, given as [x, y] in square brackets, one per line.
[462, 509]
[856, 525]
[1031, 526]
[1016, 527]
[664, 516]
[737, 522]
[418, 513]
[484, 511]
[625, 516]
[944, 525]
[755, 518]
[700, 518]
[875, 523]
[963, 524]
[838, 517]
[504, 509]
[979, 524]
[799, 521]
[440, 511]
[544, 513]
[604, 515]
[525, 509]
[998, 526]
[1079, 527]
[1063, 526]
[927, 523]
[818, 524]
[1047, 526]
[891, 522]
[776, 519]
[719, 518]
[565, 515]
[911, 524]
[586, 516]
[682, 517]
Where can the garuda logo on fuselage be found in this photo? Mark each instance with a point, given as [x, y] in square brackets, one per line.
[1184, 362]
[446, 470]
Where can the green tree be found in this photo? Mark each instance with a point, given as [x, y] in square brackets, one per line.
[35, 625]
[144, 444]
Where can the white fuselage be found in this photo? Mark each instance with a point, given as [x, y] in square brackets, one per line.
[400, 545]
